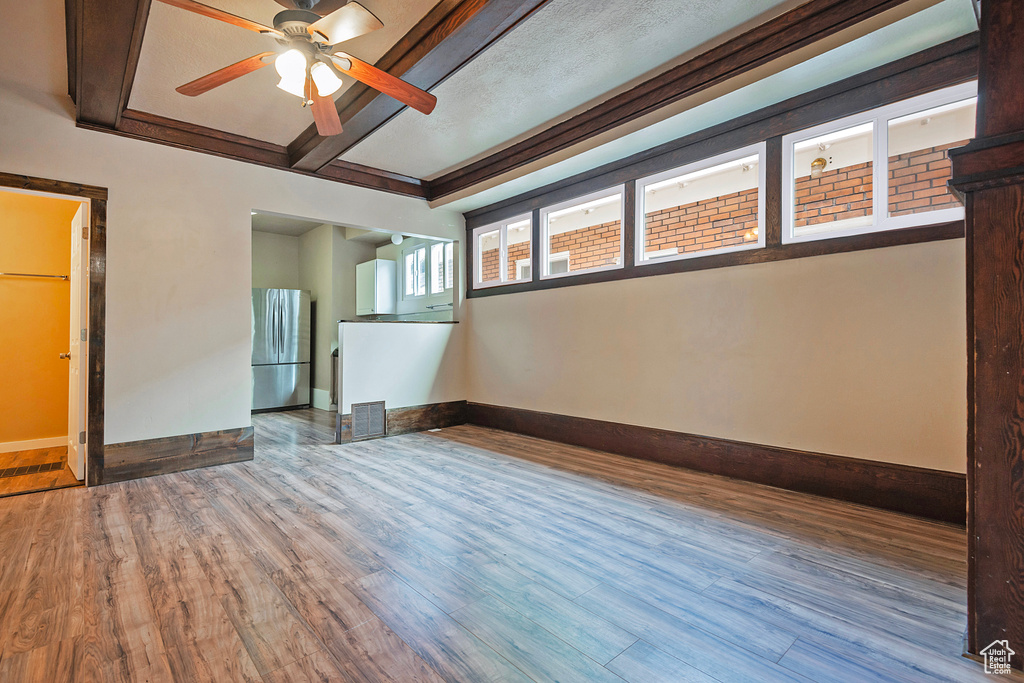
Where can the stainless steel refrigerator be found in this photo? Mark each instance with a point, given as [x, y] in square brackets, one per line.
[280, 348]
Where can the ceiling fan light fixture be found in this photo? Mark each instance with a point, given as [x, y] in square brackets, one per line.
[291, 64]
[327, 83]
[294, 86]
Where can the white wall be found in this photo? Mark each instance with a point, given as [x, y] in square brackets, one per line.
[275, 261]
[860, 354]
[316, 277]
[178, 240]
[403, 364]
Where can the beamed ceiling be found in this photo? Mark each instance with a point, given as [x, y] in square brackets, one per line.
[528, 90]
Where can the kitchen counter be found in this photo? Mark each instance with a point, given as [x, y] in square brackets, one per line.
[418, 322]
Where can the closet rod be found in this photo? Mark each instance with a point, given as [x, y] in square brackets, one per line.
[55, 277]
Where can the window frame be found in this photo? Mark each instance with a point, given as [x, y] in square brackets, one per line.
[545, 242]
[432, 266]
[881, 221]
[478, 262]
[640, 220]
[411, 251]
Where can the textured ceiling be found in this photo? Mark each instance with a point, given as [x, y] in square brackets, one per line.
[282, 225]
[180, 46]
[937, 24]
[570, 53]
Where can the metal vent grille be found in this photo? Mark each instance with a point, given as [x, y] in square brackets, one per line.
[368, 420]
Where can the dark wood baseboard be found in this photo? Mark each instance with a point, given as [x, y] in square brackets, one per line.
[913, 490]
[410, 419]
[137, 459]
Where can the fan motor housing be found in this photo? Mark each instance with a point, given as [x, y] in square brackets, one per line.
[295, 22]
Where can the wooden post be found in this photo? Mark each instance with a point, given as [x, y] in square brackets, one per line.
[989, 175]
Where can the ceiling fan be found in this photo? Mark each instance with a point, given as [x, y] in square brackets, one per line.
[309, 61]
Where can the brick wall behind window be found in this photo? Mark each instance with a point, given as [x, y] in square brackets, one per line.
[835, 195]
[917, 180]
[490, 265]
[517, 252]
[708, 224]
[590, 247]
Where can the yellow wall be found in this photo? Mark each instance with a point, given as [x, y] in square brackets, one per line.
[35, 237]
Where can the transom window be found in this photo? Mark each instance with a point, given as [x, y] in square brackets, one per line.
[881, 170]
[708, 207]
[503, 252]
[582, 235]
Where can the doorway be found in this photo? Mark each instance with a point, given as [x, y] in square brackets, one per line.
[44, 333]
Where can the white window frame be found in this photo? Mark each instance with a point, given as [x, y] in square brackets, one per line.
[880, 219]
[519, 269]
[545, 243]
[502, 228]
[431, 265]
[426, 264]
[640, 228]
[561, 256]
[449, 269]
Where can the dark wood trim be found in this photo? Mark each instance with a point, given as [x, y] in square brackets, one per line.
[942, 66]
[96, 391]
[24, 182]
[629, 225]
[190, 136]
[107, 38]
[96, 365]
[768, 254]
[374, 178]
[773, 192]
[449, 36]
[989, 175]
[793, 30]
[153, 128]
[409, 419]
[71, 29]
[913, 490]
[137, 459]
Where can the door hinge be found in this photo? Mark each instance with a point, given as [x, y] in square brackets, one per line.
[85, 232]
[85, 334]
[81, 437]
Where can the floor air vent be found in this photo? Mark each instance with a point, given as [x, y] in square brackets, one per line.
[368, 420]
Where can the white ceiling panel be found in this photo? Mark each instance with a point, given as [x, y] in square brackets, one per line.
[937, 24]
[180, 46]
[567, 55]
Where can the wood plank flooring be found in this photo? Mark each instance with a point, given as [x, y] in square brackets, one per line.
[36, 481]
[469, 555]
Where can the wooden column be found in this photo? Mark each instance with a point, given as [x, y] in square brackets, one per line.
[989, 173]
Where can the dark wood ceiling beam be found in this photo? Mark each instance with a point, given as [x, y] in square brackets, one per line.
[152, 128]
[453, 33]
[104, 40]
[793, 30]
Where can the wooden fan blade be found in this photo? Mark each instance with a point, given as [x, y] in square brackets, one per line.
[325, 114]
[346, 23]
[222, 76]
[405, 93]
[221, 15]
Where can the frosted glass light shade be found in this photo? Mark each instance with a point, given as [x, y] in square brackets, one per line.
[327, 83]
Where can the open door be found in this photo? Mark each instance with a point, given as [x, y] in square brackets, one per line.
[78, 347]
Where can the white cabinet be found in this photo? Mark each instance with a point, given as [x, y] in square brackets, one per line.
[376, 287]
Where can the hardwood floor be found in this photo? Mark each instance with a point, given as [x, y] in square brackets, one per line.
[469, 555]
[32, 478]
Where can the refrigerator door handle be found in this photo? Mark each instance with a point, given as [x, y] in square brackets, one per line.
[273, 329]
